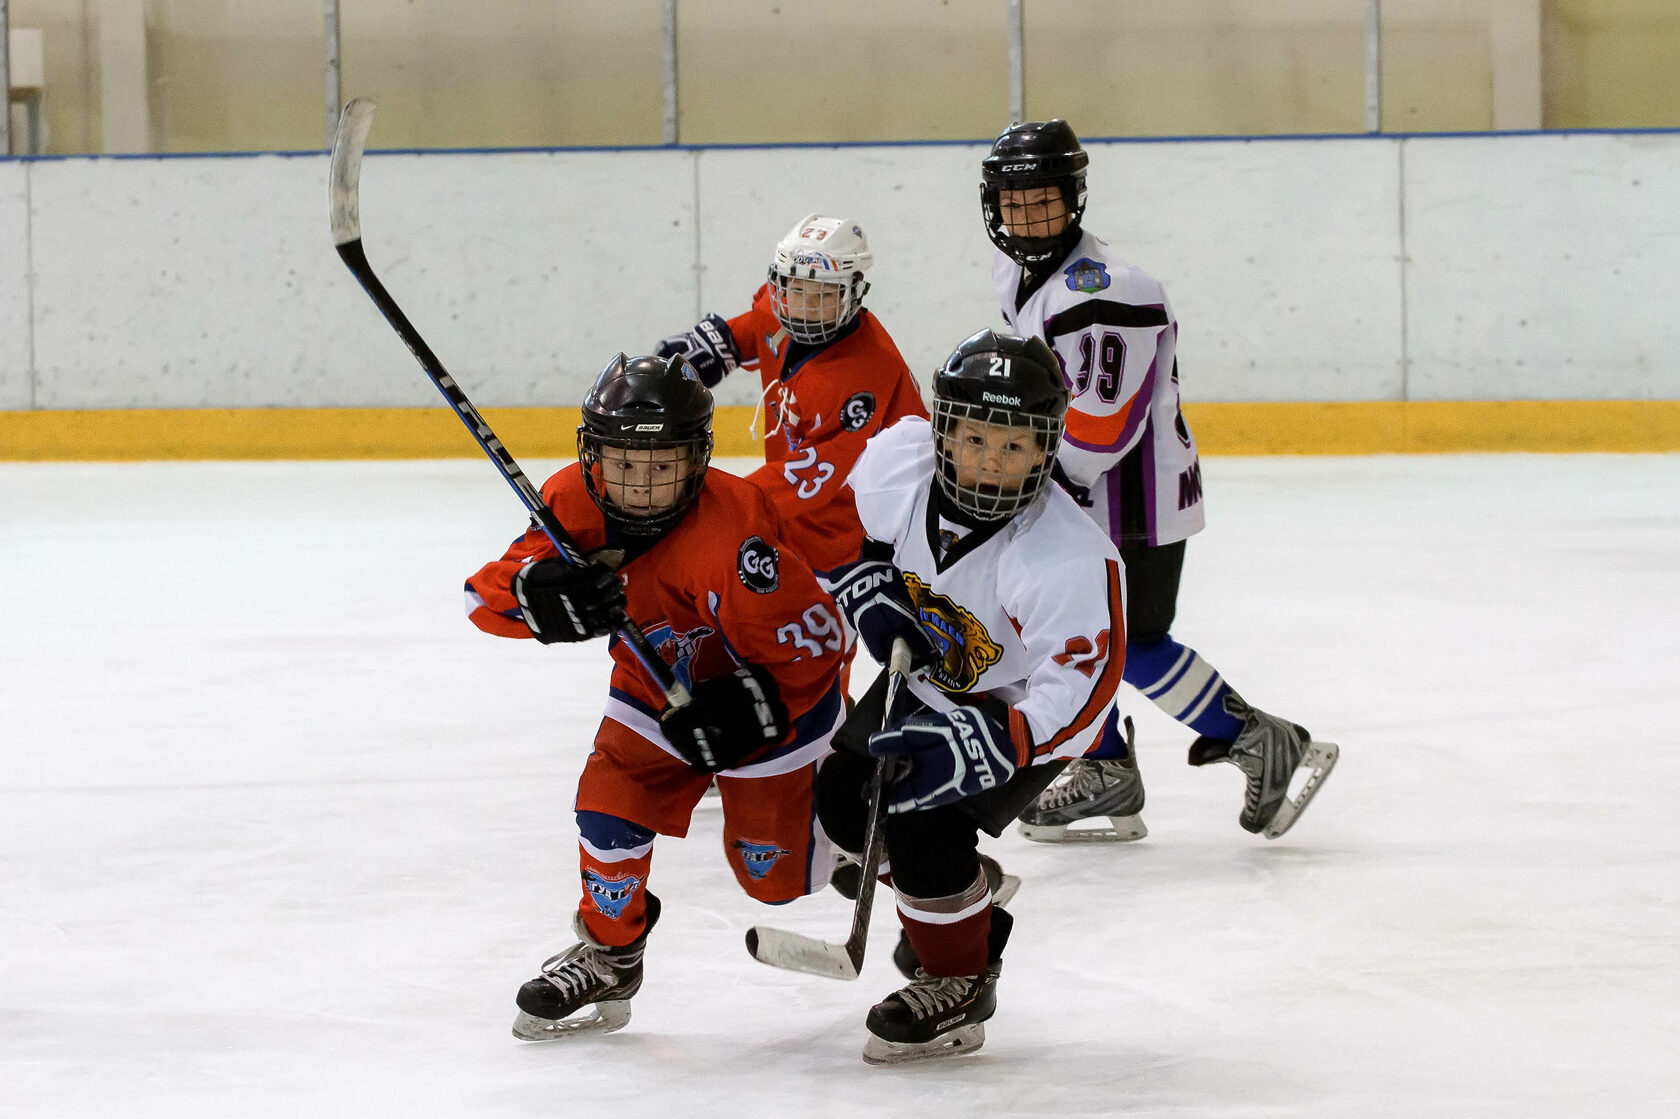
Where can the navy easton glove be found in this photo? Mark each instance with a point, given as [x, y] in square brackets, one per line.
[873, 596]
[952, 755]
[563, 602]
[709, 347]
[728, 718]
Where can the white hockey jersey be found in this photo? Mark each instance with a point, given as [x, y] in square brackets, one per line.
[1033, 613]
[1127, 446]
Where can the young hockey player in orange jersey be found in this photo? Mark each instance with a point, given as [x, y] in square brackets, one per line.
[696, 560]
[832, 378]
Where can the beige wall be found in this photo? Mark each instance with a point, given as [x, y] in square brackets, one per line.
[242, 75]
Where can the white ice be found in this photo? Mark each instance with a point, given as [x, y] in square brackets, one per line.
[281, 833]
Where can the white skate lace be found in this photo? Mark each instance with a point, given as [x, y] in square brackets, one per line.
[934, 995]
[579, 968]
[1080, 781]
[784, 409]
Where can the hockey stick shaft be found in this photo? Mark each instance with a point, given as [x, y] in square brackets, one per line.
[819, 957]
[345, 196]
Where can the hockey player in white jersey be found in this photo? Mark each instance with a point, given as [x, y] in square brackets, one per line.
[1013, 604]
[1129, 459]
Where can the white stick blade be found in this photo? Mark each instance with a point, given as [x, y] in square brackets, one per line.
[792, 952]
[345, 180]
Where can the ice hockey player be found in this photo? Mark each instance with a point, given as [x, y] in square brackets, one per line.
[831, 379]
[1129, 459]
[1013, 601]
[694, 559]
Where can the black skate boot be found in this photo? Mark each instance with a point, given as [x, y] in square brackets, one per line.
[584, 974]
[1269, 751]
[1003, 888]
[938, 1017]
[1086, 789]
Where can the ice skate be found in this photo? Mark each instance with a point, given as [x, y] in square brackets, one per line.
[932, 1017]
[585, 989]
[1088, 789]
[1270, 752]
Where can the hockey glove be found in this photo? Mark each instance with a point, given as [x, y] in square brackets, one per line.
[566, 603]
[952, 755]
[709, 347]
[873, 596]
[729, 718]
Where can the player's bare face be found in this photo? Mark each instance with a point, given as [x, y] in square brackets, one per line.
[1034, 212]
[993, 458]
[645, 481]
[813, 301]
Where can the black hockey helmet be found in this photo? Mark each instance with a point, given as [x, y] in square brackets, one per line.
[638, 410]
[1034, 154]
[1014, 388]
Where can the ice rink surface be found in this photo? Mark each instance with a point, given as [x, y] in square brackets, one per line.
[281, 833]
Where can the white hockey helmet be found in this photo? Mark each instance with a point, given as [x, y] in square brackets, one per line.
[816, 279]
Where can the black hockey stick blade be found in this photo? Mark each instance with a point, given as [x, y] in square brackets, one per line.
[344, 190]
[795, 952]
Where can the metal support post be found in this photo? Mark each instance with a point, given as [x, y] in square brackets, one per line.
[334, 70]
[1373, 65]
[6, 78]
[1017, 64]
[668, 56]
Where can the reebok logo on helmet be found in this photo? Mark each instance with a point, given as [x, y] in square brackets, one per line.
[1000, 398]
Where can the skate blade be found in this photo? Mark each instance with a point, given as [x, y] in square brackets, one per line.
[878, 1051]
[603, 1018]
[1120, 829]
[1318, 760]
[1006, 887]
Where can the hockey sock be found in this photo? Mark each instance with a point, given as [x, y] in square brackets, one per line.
[950, 934]
[614, 856]
[1178, 681]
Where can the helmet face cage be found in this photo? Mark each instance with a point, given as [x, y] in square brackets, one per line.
[814, 305]
[622, 473]
[1038, 243]
[1022, 475]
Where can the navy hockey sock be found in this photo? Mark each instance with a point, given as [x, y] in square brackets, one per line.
[1178, 681]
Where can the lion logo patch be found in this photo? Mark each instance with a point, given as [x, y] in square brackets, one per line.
[967, 649]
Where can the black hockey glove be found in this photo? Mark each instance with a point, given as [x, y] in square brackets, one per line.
[566, 603]
[952, 755]
[709, 347]
[729, 718]
[873, 596]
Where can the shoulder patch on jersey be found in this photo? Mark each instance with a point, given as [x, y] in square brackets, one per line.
[857, 410]
[1086, 275]
[757, 565]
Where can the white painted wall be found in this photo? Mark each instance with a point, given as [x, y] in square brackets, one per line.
[1522, 267]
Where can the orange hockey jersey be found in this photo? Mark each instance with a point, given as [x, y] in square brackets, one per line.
[820, 413]
[719, 589]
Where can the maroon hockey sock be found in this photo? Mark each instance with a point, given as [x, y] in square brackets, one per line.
[950, 933]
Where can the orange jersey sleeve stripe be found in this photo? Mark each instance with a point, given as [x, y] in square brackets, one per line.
[1102, 692]
[1099, 431]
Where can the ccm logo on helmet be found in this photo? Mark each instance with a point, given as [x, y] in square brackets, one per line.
[999, 398]
[1008, 167]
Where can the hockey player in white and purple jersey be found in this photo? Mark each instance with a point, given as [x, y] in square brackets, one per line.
[1129, 459]
[1013, 606]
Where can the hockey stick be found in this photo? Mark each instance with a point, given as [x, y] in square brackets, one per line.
[818, 957]
[345, 186]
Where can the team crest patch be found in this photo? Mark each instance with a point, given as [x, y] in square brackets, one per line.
[610, 895]
[678, 649]
[1086, 275]
[966, 649]
[857, 410]
[756, 564]
[759, 858]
